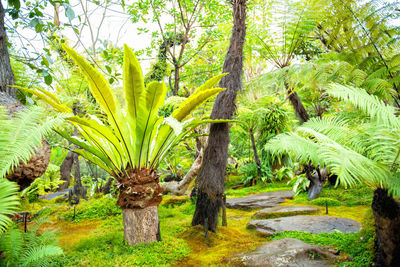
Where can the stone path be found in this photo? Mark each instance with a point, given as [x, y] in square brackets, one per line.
[311, 224]
[282, 211]
[288, 252]
[257, 201]
[56, 194]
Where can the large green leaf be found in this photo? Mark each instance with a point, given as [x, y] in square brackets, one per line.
[133, 82]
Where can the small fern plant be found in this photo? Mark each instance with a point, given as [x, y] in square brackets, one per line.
[28, 249]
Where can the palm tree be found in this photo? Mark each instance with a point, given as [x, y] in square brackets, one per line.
[135, 140]
[357, 151]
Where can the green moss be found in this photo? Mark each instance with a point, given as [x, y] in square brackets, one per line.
[109, 249]
[322, 201]
[359, 195]
[258, 188]
[99, 208]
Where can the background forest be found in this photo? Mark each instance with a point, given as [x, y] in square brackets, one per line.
[128, 129]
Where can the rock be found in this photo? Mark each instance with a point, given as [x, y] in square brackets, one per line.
[287, 252]
[311, 224]
[257, 201]
[282, 211]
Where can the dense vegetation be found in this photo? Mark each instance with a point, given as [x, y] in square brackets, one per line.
[227, 99]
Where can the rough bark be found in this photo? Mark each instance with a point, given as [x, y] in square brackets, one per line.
[139, 196]
[107, 186]
[387, 224]
[256, 158]
[179, 188]
[65, 170]
[298, 106]
[26, 173]
[211, 179]
[6, 73]
[140, 189]
[141, 225]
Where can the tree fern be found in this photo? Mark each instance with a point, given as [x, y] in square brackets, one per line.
[21, 134]
[368, 152]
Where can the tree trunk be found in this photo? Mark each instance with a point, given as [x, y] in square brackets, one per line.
[65, 170]
[176, 80]
[139, 196]
[299, 109]
[107, 186]
[211, 179]
[387, 224]
[179, 188]
[6, 73]
[141, 225]
[256, 158]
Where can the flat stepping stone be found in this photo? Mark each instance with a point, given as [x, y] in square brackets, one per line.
[259, 201]
[288, 252]
[282, 211]
[56, 194]
[311, 224]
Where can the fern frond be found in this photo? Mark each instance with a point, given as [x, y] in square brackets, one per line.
[9, 202]
[40, 256]
[20, 135]
[12, 243]
[370, 104]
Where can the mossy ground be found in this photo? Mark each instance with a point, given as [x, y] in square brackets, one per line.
[95, 237]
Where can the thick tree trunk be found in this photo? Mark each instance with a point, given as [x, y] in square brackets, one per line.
[6, 73]
[179, 188]
[65, 170]
[139, 196]
[141, 225]
[256, 158]
[387, 223]
[211, 179]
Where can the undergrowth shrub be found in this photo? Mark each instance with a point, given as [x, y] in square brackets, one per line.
[97, 208]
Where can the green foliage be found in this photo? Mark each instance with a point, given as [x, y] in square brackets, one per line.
[127, 143]
[110, 249]
[21, 134]
[99, 208]
[28, 249]
[299, 183]
[9, 202]
[171, 103]
[321, 201]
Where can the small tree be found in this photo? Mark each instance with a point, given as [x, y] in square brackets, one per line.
[135, 140]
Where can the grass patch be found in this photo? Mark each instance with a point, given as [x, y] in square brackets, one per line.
[258, 188]
[359, 195]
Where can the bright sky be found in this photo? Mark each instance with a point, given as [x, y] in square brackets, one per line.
[108, 23]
